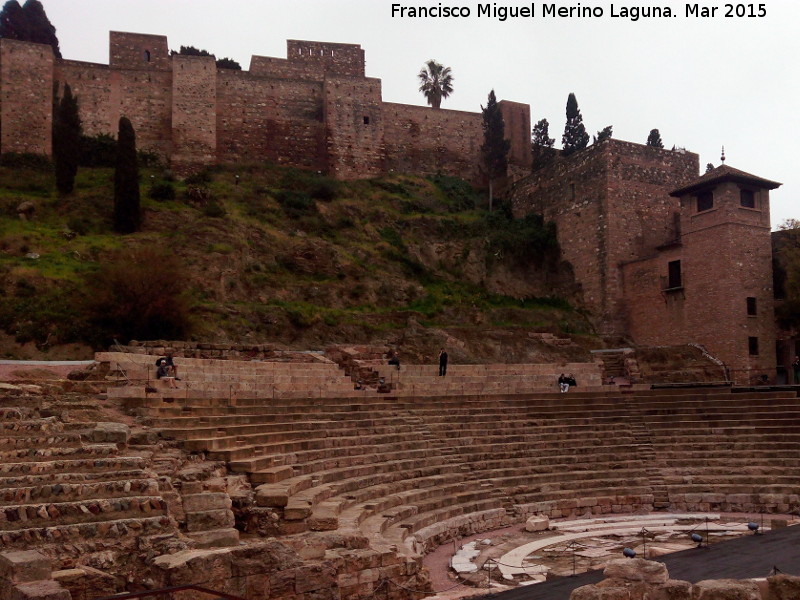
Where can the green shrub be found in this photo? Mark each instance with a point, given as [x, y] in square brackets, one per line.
[138, 294]
[97, 151]
[460, 195]
[162, 191]
[26, 160]
[214, 209]
[201, 178]
[296, 204]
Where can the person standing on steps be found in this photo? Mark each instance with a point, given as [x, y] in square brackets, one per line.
[796, 369]
[442, 362]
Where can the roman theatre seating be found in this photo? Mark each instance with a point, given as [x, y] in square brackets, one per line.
[414, 470]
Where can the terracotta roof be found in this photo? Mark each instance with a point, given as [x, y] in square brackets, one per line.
[725, 173]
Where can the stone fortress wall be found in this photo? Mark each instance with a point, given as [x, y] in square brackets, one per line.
[617, 223]
[314, 109]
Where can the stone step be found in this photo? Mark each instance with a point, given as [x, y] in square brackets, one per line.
[24, 516]
[59, 539]
[54, 491]
[56, 439]
[19, 427]
[59, 465]
[58, 453]
[52, 478]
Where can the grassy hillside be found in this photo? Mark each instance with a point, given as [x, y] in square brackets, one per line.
[263, 253]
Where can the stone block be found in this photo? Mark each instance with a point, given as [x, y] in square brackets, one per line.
[24, 566]
[537, 523]
[212, 519]
[636, 569]
[215, 538]
[39, 590]
[783, 587]
[206, 501]
[268, 495]
[726, 589]
[112, 433]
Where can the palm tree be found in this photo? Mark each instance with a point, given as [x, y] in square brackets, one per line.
[436, 82]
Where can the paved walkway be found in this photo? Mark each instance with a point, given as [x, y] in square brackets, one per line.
[746, 557]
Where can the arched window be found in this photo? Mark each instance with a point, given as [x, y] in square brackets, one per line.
[147, 55]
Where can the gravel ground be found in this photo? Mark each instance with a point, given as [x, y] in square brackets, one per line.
[35, 372]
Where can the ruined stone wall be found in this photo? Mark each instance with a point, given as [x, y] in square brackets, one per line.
[728, 256]
[725, 256]
[194, 110]
[355, 127]
[572, 193]
[26, 97]
[611, 205]
[269, 119]
[311, 61]
[517, 122]
[96, 89]
[423, 140]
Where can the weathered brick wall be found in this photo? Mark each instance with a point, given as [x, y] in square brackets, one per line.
[725, 256]
[311, 61]
[270, 119]
[517, 122]
[139, 51]
[98, 97]
[424, 140]
[611, 205]
[355, 127]
[194, 110]
[26, 97]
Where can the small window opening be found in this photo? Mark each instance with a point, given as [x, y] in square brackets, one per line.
[752, 346]
[674, 279]
[751, 306]
[705, 201]
[147, 55]
[747, 198]
[366, 120]
[572, 191]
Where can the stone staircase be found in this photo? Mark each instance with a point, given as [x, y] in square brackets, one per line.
[75, 490]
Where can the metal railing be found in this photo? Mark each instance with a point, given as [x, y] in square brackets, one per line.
[165, 593]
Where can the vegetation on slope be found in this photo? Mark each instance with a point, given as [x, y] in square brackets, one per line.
[263, 253]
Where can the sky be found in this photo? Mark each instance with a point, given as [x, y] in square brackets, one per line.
[704, 82]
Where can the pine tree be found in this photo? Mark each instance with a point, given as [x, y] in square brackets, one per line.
[654, 139]
[28, 23]
[575, 137]
[604, 134]
[127, 212]
[66, 140]
[541, 144]
[495, 147]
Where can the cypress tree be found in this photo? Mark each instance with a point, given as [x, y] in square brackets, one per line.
[127, 212]
[575, 137]
[495, 147]
[654, 139]
[604, 134]
[541, 144]
[28, 23]
[66, 140]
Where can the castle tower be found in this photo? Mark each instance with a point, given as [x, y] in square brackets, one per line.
[722, 274]
[26, 97]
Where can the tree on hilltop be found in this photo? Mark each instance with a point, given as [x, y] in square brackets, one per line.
[28, 23]
[709, 167]
[66, 140]
[575, 137]
[541, 144]
[654, 139]
[127, 211]
[222, 63]
[435, 82]
[495, 145]
[603, 134]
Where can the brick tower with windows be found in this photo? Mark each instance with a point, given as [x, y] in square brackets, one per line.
[712, 284]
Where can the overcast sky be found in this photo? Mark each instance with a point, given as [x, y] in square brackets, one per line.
[703, 82]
